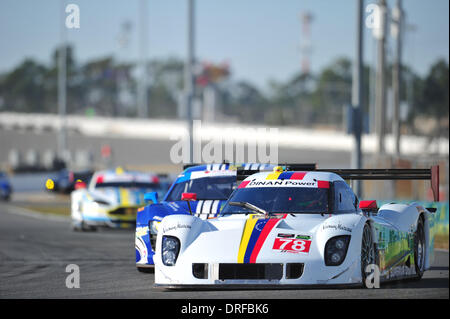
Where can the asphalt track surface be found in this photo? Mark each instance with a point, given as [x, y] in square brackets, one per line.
[35, 250]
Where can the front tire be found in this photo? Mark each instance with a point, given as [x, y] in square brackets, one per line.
[146, 270]
[82, 226]
[368, 252]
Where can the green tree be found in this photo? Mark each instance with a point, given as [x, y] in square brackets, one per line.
[435, 91]
[243, 100]
[334, 85]
[435, 96]
[22, 89]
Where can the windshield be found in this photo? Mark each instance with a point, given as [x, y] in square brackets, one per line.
[207, 188]
[127, 185]
[294, 200]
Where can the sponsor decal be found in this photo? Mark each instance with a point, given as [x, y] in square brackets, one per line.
[174, 227]
[306, 237]
[285, 235]
[141, 231]
[282, 182]
[292, 245]
[338, 227]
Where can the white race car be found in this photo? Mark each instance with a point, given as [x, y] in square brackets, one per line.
[291, 228]
[111, 199]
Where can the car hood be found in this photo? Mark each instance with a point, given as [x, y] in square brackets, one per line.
[252, 238]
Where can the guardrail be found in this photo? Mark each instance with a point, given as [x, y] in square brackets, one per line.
[288, 137]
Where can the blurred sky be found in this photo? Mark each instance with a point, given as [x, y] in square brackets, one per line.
[259, 38]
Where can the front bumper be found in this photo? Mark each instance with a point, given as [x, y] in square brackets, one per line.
[258, 286]
[116, 217]
[143, 247]
[111, 223]
[314, 274]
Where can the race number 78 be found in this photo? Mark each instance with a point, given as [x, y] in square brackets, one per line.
[292, 245]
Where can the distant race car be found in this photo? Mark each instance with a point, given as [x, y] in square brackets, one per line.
[66, 179]
[5, 187]
[298, 228]
[111, 199]
[212, 185]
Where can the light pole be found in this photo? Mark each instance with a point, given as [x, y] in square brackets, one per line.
[380, 89]
[396, 73]
[357, 93]
[142, 86]
[189, 84]
[62, 86]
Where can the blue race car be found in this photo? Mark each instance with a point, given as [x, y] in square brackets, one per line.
[5, 187]
[199, 190]
[66, 179]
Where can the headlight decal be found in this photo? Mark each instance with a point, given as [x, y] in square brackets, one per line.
[336, 250]
[169, 250]
[153, 225]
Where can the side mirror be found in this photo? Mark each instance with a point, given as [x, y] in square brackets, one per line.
[369, 206]
[80, 185]
[152, 196]
[189, 196]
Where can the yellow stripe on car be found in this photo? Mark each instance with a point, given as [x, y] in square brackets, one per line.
[273, 175]
[124, 196]
[248, 228]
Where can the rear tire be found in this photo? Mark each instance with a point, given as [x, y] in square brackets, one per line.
[419, 249]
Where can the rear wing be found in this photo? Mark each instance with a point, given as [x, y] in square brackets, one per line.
[431, 174]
